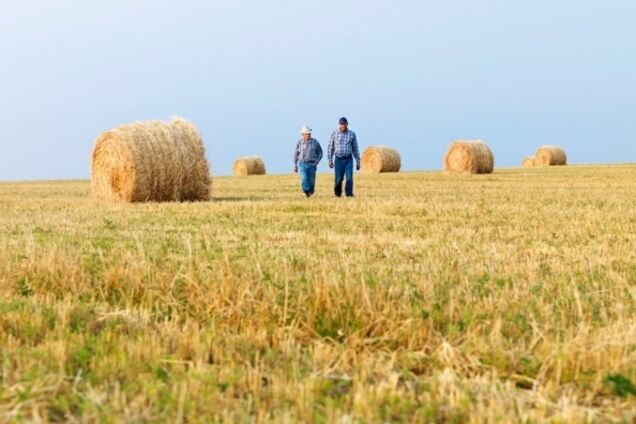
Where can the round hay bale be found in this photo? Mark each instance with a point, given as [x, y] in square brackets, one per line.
[528, 162]
[468, 157]
[150, 161]
[381, 159]
[549, 156]
[249, 165]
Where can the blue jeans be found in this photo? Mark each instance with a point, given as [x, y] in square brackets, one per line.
[344, 167]
[307, 171]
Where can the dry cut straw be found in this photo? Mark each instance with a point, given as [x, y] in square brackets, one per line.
[249, 165]
[150, 161]
[381, 159]
[468, 157]
[528, 162]
[549, 156]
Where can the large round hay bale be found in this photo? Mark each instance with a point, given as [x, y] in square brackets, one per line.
[381, 159]
[528, 162]
[468, 157]
[549, 156]
[249, 165]
[150, 161]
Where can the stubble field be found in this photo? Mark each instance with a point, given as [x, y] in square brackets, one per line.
[506, 297]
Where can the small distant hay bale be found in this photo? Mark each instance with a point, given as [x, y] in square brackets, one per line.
[528, 162]
[381, 159]
[468, 157]
[249, 165]
[550, 156]
[150, 161]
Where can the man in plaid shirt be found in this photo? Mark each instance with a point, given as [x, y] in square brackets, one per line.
[307, 155]
[343, 144]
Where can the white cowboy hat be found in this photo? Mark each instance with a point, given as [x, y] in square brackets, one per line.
[305, 130]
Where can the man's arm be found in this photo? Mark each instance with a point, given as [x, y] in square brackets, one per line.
[330, 149]
[356, 150]
[319, 149]
[296, 154]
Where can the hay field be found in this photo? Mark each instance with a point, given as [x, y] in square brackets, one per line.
[502, 297]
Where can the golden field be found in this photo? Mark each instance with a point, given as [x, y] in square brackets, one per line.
[508, 297]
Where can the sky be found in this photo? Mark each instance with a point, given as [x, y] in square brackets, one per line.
[414, 75]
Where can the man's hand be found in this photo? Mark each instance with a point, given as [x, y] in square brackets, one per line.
[330, 164]
[295, 169]
[357, 166]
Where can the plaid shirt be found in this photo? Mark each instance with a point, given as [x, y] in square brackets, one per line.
[343, 144]
[307, 152]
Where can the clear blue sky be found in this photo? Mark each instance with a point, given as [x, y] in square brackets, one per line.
[249, 74]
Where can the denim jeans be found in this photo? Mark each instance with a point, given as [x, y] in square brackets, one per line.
[343, 167]
[307, 171]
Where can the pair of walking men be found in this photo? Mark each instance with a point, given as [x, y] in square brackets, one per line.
[343, 149]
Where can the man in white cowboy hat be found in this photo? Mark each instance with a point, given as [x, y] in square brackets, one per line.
[307, 155]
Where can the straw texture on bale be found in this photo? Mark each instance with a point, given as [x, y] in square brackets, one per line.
[550, 155]
[528, 162]
[468, 157]
[249, 165]
[150, 161]
[381, 159]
